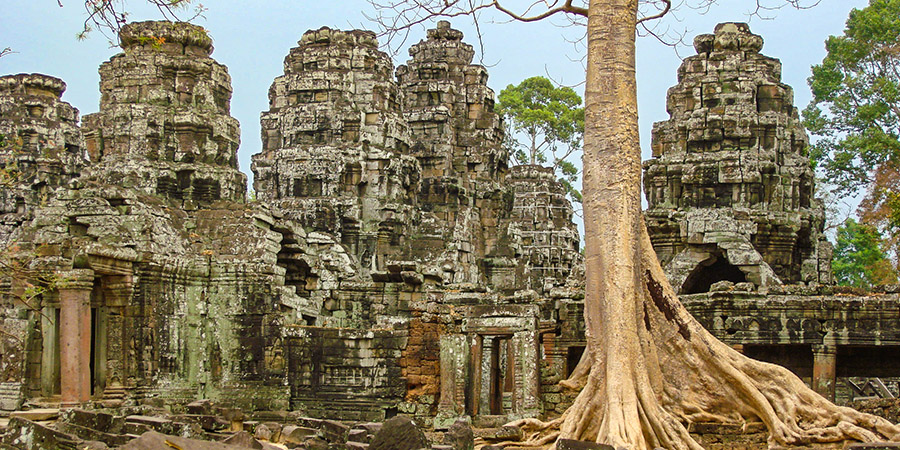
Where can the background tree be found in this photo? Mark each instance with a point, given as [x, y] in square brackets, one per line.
[635, 325]
[858, 258]
[855, 113]
[551, 120]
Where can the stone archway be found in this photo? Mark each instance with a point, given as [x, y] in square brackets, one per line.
[714, 269]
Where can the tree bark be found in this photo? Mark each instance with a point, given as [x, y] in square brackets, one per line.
[635, 324]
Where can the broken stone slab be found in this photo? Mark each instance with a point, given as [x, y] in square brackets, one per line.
[399, 433]
[263, 432]
[572, 444]
[275, 429]
[504, 433]
[460, 436]
[357, 445]
[37, 415]
[92, 435]
[370, 427]
[334, 431]
[27, 434]
[315, 443]
[153, 440]
[150, 421]
[207, 422]
[309, 422]
[138, 424]
[202, 407]
[358, 435]
[294, 434]
[94, 420]
[243, 439]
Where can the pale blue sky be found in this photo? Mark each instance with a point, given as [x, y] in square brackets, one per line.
[253, 41]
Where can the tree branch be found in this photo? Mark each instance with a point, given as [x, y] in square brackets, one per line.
[666, 8]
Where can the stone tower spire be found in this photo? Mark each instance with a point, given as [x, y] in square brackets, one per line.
[450, 109]
[41, 147]
[164, 125]
[335, 144]
[729, 187]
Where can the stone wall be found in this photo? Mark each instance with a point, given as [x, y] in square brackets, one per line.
[387, 219]
[344, 374]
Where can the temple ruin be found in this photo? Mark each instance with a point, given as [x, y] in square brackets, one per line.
[392, 261]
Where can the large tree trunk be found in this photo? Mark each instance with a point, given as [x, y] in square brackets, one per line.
[635, 323]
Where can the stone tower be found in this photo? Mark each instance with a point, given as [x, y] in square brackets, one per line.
[450, 109]
[729, 187]
[164, 125]
[41, 147]
[335, 143]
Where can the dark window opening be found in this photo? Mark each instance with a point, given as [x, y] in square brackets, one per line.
[708, 273]
[797, 358]
[573, 356]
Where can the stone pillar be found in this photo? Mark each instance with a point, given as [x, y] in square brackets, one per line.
[824, 369]
[454, 357]
[475, 361]
[75, 336]
[527, 349]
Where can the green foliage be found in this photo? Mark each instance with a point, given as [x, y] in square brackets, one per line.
[855, 111]
[550, 122]
[858, 257]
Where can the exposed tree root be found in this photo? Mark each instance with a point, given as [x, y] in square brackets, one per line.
[683, 374]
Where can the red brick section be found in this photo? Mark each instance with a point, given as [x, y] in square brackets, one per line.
[420, 361]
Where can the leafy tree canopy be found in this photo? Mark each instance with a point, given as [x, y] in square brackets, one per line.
[545, 123]
[858, 257]
[855, 111]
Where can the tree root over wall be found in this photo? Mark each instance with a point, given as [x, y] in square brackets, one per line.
[679, 373]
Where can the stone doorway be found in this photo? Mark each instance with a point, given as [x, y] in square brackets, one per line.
[490, 371]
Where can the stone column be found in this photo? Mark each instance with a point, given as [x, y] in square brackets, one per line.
[527, 349]
[454, 358]
[75, 336]
[824, 369]
[475, 361]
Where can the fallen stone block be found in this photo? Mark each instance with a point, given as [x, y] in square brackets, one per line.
[201, 407]
[399, 433]
[37, 415]
[29, 435]
[153, 440]
[263, 432]
[243, 439]
[358, 435]
[460, 436]
[94, 420]
[500, 434]
[92, 435]
[334, 431]
[294, 434]
[315, 443]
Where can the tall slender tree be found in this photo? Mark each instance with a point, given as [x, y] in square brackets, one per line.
[551, 120]
[636, 327]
